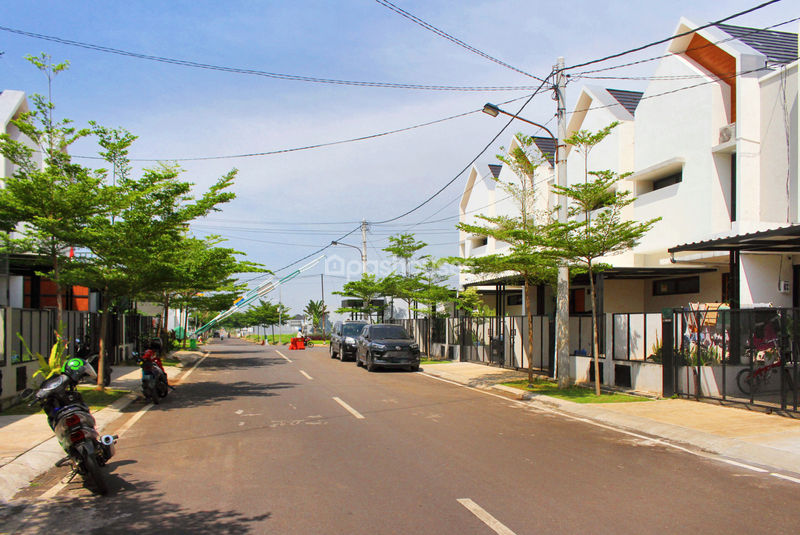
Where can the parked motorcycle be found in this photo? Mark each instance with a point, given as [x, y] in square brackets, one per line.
[307, 342]
[74, 426]
[154, 379]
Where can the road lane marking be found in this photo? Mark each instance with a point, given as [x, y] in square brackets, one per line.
[742, 465]
[787, 478]
[485, 517]
[135, 418]
[306, 375]
[196, 364]
[282, 355]
[348, 408]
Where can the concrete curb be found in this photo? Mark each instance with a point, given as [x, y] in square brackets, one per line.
[17, 474]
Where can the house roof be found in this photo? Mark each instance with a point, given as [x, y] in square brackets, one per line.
[780, 47]
[628, 99]
[547, 146]
[495, 169]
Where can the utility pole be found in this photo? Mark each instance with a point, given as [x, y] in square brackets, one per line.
[363, 246]
[562, 287]
[322, 288]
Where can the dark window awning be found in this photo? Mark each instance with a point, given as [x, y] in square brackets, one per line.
[782, 240]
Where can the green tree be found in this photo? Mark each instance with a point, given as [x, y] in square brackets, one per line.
[604, 234]
[53, 198]
[367, 288]
[528, 233]
[316, 310]
[403, 247]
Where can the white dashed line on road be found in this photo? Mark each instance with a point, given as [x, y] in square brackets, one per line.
[282, 355]
[349, 409]
[787, 478]
[485, 517]
[306, 375]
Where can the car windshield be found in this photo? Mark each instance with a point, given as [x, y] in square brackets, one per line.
[388, 332]
[352, 329]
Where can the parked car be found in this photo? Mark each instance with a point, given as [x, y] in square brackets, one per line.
[343, 339]
[388, 346]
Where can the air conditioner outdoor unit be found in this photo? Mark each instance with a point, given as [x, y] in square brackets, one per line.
[727, 133]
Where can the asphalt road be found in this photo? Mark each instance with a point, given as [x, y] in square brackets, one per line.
[257, 442]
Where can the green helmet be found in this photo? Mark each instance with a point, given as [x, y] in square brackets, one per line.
[76, 368]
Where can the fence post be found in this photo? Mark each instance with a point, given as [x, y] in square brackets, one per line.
[667, 354]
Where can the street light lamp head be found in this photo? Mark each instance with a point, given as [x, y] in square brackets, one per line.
[491, 109]
[334, 242]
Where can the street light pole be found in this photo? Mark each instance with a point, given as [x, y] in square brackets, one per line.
[360, 250]
[562, 287]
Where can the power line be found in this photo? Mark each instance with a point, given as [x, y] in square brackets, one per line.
[255, 72]
[670, 38]
[485, 148]
[699, 47]
[306, 147]
[459, 42]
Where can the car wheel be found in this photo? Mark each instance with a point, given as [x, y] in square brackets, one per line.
[333, 353]
[414, 368]
[370, 363]
[358, 361]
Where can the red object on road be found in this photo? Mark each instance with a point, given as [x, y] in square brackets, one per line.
[296, 343]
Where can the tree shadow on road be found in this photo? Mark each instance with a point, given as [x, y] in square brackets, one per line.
[135, 507]
[218, 363]
[211, 393]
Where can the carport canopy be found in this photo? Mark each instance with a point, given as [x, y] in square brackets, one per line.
[782, 240]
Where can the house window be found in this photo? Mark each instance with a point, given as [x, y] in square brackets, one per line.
[684, 285]
[513, 300]
[668, 180]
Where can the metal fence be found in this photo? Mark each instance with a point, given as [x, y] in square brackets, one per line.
[748, 356]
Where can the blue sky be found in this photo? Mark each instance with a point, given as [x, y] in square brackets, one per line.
[302, 200]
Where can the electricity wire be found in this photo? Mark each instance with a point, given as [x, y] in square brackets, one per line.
[670, 38]
[695, 48]
[459, 42]
[255, 72]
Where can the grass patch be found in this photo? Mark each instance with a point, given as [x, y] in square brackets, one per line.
[94, 398]
[170, 362]
[434, 361]
[578, 394]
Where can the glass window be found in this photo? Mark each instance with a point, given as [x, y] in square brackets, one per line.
[388, 332]
[352, 329]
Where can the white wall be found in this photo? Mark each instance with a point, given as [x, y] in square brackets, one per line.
[759, 279]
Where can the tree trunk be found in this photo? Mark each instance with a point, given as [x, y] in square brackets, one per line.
[59, 299]
[530, 329]
[185, 311]
[595, 342]
[164, 331]
[101, 359]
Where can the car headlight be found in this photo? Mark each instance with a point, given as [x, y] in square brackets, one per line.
[379, 347]
[414, 346]
[349, 340]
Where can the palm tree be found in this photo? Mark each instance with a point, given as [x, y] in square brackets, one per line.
[316, 310]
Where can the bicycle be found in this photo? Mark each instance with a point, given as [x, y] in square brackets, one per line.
[750, 382]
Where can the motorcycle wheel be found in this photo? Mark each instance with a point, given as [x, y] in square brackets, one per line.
[96, 474]
[162, 388]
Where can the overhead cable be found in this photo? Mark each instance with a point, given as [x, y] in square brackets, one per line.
[459, 42]
[670, 38]
[255, 72]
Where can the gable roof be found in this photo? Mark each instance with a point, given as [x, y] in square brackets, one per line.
[628, 99]
[779, 47]
[547, 146]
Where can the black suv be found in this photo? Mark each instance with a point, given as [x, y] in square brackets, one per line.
[343, 338]
[387, 345]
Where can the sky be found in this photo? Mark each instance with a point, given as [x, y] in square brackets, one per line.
[290, 204]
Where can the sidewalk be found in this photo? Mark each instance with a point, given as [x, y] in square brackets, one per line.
[765, 440]
[28, 447]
